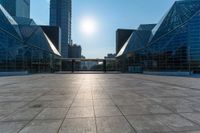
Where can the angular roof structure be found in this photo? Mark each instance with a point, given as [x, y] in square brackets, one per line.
[26, 31]
[179, 13]
[8, 24]
[39, 39]
[138, 40]
[146, 26]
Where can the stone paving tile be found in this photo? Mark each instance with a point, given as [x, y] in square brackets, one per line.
[84, 96]
[159, 92]
[161, 123]
[39, 104]
[90, 101]
[52, 104]
[193, 93]
[143, 109]
[100, 96]
[16, 98]
[7, 108]
[78, 125]
[124, 94]
[55, 97]
[107, 111]
[191, 132]
[3, 114]
[113, 125]
[11, 105]
[80, 112]
[62, 91]
[11, 127]
[194, 99]
[179, 105]
[147, 124]
[52, 114]
[82, 103]
[180, 81]
[126, 101]
[103, 102]
[195, 117]
[26, 114]
[60, 104]
[50, 126]
[177, 123]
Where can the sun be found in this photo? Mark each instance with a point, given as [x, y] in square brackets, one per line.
[88, 26]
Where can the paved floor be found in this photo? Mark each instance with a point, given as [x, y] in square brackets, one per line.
[99, 103]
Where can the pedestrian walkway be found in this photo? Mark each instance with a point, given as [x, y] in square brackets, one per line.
[99, 103]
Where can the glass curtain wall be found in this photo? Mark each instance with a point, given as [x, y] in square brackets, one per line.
[174, 44]
[18, 56]
[25, 47]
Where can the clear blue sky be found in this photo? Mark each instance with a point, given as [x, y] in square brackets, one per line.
[110, 15]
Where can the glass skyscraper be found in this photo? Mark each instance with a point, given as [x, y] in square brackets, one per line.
[171, 45]
[60, 15]
[18, 8]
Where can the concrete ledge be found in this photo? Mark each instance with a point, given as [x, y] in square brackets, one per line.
[168, 73]
[13, 73]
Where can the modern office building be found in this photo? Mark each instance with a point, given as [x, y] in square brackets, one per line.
[24, 46]
[18, 8]
[110, 56]
[60, 15]
[172, 45]
[75, 51]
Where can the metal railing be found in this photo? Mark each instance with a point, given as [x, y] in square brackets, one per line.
[81, 64]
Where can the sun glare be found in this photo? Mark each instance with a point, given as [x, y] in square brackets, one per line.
[88, 26]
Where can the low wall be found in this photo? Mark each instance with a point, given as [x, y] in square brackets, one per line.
[13, 73]
[168, 73]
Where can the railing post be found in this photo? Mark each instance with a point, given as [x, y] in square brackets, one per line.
[104, 66]
[73, 62]
[190, 71]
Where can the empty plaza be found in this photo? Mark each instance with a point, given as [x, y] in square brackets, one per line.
[99, 103]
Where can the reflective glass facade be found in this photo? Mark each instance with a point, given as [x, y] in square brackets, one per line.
[172, 45]
[24, 46]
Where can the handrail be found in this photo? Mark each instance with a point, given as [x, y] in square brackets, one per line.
[82, 59]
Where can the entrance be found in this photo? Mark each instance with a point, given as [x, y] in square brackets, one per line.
[76, 64]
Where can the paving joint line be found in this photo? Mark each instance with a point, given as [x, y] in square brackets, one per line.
[29, 121]
[24, 106]
[95, 118]
[68, 110]
[36, 114]
[121, 112]
[171, 84]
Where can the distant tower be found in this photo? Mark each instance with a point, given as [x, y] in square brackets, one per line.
[60, 15]
[17, 8]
